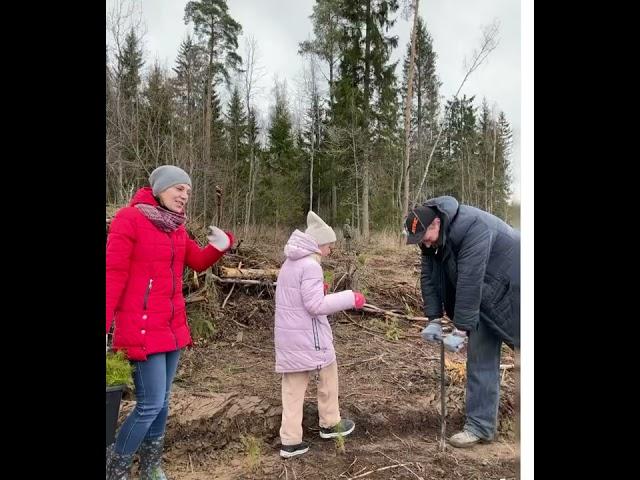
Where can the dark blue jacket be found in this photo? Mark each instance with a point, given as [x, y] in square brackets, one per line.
[474, 272]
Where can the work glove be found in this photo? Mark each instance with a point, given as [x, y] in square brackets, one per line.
[433, 331]
[454, 342]
[219, 239]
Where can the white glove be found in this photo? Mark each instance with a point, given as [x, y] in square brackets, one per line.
[218, 238]
[433, 331]
[454, 342]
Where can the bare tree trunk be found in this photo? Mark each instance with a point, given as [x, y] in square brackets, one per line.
[206, 154]
[249, 196]
[462, 177]
[218, 221]
[204, 195]
[121, 194]
[250, 77]
[252, 191]
[355, 165]
[206, 150]
[334, 204]
[275, 233]
[398, 191]
[365, 202]
[312, 90]
[235, 207]
[366, 138]
[407, 111]
[493, 166]
[331, 93]
[470, 182]
[395, 201]
[485, 169]
[311, 179]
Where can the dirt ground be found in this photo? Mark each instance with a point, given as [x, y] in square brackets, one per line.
[225, 407]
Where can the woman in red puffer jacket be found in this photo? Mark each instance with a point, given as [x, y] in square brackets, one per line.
[147, 249]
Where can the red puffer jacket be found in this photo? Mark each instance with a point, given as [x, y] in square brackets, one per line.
[144, 281]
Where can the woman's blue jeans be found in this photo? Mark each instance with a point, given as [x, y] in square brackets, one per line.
[153, 379]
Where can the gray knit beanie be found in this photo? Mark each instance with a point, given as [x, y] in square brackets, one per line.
[167, 176]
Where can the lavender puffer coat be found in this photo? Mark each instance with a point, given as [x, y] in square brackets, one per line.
[303, 337]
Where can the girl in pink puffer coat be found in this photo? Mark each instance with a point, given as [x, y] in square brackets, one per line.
[303, 337]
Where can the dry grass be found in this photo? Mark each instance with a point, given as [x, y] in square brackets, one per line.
[253, 447]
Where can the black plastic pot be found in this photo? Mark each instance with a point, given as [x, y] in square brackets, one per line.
[114, 396]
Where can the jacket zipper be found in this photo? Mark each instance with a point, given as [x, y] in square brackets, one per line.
[146, 294]
[316, 343]
[173, 289]
[316, 337]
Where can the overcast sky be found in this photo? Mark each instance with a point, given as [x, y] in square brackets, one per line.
[279, 25]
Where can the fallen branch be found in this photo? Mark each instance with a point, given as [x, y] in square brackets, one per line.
[504, 369]
[377, 357]
[249, 273]
[338, 282]
[239, 324]
[406, 444]
[447, 324]
[362, 394]
[366, 474]
[373, 309]
[370, 330]
[195, 299]
[267, 283]
[406, 468]
[355, 473]
[232, 287]
[349, 468]
[197, 296]
[228, 295]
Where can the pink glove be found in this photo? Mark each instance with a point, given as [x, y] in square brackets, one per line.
[326, 287]
[360, 300]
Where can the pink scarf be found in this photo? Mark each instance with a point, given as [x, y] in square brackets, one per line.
[163, 219]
